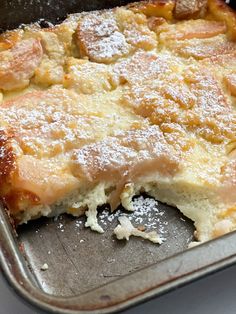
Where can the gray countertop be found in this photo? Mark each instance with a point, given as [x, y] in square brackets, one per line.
[215, 294]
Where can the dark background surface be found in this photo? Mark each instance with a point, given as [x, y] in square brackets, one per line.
[15, 12]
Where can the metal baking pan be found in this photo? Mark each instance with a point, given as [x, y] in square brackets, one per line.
[88, 272]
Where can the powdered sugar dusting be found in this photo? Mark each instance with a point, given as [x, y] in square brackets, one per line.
[146, 214]
[101, 38]
[60, 226]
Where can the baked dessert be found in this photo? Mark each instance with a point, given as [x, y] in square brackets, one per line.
[109, 104]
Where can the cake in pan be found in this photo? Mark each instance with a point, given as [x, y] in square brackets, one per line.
[110, 104]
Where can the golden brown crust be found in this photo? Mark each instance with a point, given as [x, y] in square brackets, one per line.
[17, 65]
[13, 199]
[18, 200]
[7, 158]
[230, 81]
[158, 8]
[199, 49]
[9, 39]
[186, 9]
[222, 12]
[198, 104]
[191, 29]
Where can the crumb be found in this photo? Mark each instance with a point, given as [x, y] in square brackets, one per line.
[193, 244]
[125, 229]
[141, 228]
[44, 267]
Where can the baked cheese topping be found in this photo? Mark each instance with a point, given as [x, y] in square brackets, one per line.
[113, 103]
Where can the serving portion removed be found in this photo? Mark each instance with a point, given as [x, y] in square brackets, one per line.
[110, 104]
